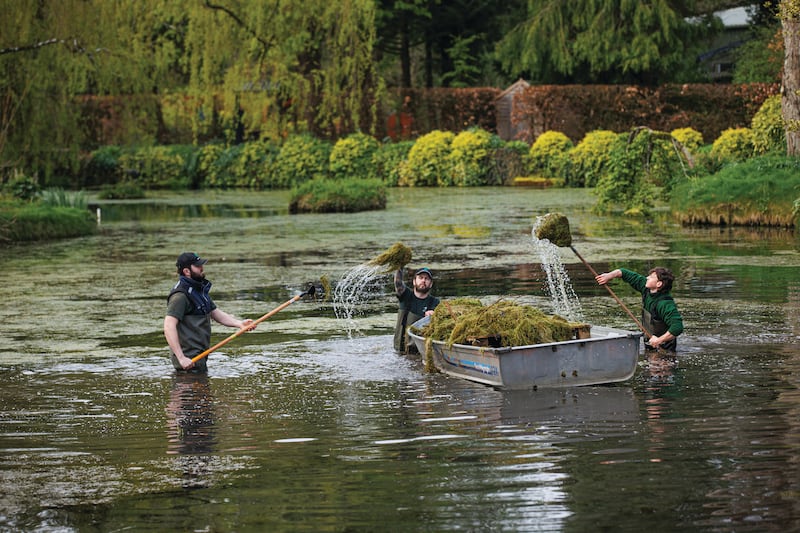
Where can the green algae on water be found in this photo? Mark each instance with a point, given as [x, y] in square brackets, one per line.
[503, 323]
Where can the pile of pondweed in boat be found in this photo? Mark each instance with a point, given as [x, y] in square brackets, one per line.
[503, 323]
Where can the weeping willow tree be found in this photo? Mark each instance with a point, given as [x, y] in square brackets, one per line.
[306, 64]
[601, 41]
[54, 52]
[275, 64]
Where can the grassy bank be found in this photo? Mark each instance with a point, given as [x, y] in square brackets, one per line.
[34, 222]
[758, 192]
[338, 196]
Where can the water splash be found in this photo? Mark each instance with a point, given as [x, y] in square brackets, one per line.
[565, 301]
[357, 286]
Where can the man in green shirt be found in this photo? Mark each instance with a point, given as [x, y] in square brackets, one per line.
[187, 326]
[660, 315]
[415, 302]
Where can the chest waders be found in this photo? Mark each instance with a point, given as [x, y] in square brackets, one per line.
[401, 339]
[656, 326]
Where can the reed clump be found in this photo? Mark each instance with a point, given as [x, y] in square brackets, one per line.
[503, 323]
[555, 228]
[395, 257]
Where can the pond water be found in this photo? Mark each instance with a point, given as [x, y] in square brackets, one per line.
[313, 424]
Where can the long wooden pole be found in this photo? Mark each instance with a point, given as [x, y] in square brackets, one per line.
[647, 334]
[254, 324]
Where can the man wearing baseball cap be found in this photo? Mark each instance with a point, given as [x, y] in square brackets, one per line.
[187, 326]
[415, 302]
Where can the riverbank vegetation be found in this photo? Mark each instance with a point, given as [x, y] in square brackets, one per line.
[758, 192]
[28, 213]
[217, 97]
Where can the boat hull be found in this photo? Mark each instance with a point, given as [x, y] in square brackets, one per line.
[610, 355]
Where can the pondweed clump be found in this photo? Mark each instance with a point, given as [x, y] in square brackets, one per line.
[396, 256]
[503, 323]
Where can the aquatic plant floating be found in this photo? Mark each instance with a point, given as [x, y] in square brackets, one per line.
[395, 257]
[555, 228]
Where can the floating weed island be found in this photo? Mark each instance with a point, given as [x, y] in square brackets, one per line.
[338, 196]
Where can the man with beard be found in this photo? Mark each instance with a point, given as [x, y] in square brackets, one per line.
[415, 302]
[187, 326]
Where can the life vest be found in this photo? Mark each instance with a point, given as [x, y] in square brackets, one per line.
[197, 292]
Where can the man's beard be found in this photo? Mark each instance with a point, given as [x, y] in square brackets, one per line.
[198, 276]
[423, 290]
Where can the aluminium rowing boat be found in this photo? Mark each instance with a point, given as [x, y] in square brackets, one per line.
[608, 355]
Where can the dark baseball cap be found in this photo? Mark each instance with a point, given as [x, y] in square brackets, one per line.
[423, 270]
[187, 259]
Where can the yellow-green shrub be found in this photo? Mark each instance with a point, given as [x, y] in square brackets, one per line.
[470, 157]
[769, 134]
[351, 157]
[252, 167]
[428, 163]
[207, 167]
[301, 158]
[388, 158]
[549, 155]
[690, 138]
[733, 144]
[589, 159]
[156, 167]
[218, 173]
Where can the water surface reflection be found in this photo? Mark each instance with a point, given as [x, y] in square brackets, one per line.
[304, 426]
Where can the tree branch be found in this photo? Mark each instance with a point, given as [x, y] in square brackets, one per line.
[34, 46]
[69, 42]
[240, 22]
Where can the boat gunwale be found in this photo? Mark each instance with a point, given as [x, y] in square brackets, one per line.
[620, 333]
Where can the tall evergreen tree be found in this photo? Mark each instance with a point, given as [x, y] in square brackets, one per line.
[601, 41]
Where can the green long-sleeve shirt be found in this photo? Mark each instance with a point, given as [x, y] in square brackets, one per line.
[660, 305]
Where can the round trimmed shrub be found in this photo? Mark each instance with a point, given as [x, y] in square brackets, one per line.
[351, 156]
[690, 138]
[301, 158]
[208, 169]
[733, 144]
[388, 158]
[252, 167]
[470, 156]
[220, 172]
[549, 155]
[769, 134]
[102, 166]
[589, 159]
[155, 167]
[428, 164]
